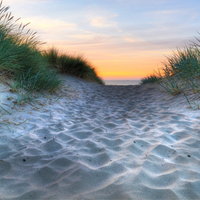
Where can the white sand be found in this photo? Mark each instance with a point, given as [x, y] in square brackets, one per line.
[100, 142]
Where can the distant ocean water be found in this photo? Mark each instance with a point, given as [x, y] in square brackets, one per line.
[122, 82]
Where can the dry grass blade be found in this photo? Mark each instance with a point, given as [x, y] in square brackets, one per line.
[25, 25]
[28, 31]
[4, 9]
[17, 19]
[5, 110]
[11, 18]
[20, 26]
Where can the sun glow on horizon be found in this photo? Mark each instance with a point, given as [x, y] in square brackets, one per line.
[122, 39]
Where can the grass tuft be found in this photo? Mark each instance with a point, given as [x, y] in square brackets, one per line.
[72, 65]
[181, 72]
[20, 57]
[29, 68]
[150, 79]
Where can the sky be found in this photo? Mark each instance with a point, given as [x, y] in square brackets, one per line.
[122, 39]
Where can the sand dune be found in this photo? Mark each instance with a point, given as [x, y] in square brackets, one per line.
[100, 142]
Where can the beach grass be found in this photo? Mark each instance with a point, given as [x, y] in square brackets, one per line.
[180, 72]
[30, 68]
[73, 65]
[150, 79]
[20, 57]
[182, 69]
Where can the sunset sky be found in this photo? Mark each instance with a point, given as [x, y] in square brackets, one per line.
[120, 38]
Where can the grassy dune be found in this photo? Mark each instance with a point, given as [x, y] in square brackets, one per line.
[72, 65]
[180, 73]
[26, 69]
[20, 57]
[22, 61]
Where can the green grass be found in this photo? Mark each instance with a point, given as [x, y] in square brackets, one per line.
[20, 57]
[29, 68]
[150, 79]
[73, 65]
[181, 72]
[184, 63]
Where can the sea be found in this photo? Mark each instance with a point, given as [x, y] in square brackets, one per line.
[122, 82]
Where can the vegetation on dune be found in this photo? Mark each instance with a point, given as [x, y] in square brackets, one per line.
[20, 57]
[150, 79]
[181, 72]
[72, 65]
[27, 69]
[22, 61]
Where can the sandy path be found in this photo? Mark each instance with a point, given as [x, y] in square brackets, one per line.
[102, 142]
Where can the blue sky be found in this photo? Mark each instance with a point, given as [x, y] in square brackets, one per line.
[121, 38]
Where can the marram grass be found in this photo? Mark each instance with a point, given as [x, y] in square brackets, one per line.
[72, 65]
[22, 61]
[20, 58]
[150, 79]
[181, 72]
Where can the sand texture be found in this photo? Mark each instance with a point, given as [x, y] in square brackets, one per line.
[100, 142]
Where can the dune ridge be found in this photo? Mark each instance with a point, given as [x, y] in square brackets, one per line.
[100, 142]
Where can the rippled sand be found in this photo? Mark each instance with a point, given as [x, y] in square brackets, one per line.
[100, 142]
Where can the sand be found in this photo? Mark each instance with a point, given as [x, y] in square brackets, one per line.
[99, 142]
